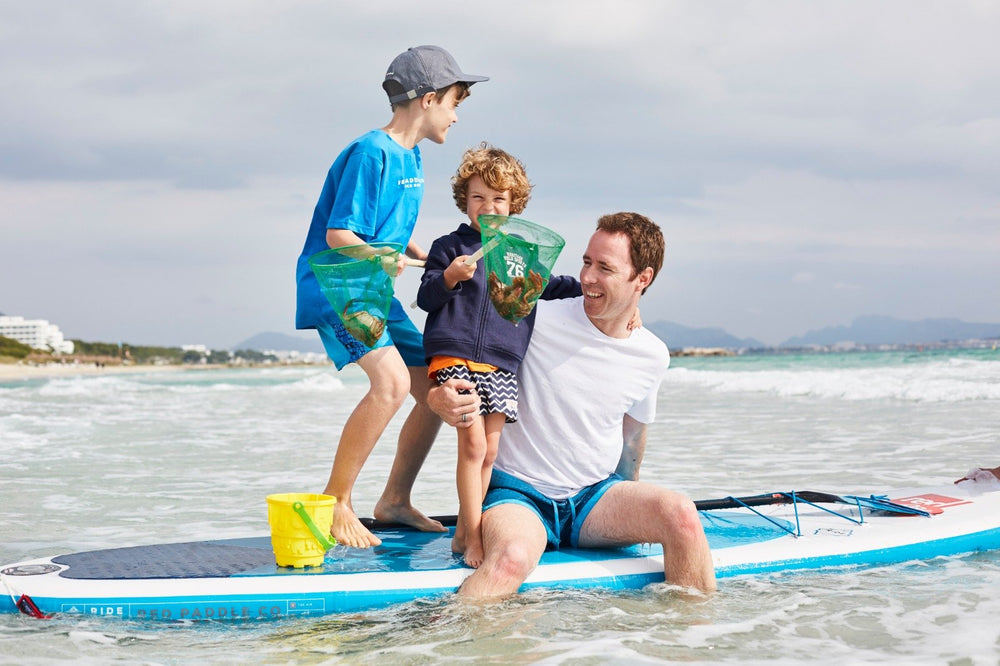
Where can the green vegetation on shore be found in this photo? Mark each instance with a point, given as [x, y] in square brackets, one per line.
[143, 355]
[13, 348]
[109, 353]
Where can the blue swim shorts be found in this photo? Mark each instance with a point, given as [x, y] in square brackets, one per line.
[400, 332]
[562, 518]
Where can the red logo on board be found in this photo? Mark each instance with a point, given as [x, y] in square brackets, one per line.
[931, 502]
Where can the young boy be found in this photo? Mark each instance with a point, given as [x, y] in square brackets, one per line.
[372, 193]
[465, 338]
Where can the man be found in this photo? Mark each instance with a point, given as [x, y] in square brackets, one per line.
[567, 472]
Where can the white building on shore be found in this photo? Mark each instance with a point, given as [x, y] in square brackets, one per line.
[36, 333]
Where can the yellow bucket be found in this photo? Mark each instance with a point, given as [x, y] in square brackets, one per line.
[300, 528]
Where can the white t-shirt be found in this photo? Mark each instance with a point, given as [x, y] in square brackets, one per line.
[576, 385]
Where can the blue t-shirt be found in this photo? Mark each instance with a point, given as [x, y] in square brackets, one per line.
[374, 189]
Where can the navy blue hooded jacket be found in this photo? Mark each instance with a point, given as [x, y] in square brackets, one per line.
[462, 322]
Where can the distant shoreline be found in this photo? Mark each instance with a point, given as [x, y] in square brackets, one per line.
[840, 348]
[23, 371]
[11, 370]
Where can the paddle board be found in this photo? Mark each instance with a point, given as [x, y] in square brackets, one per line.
[237, 579]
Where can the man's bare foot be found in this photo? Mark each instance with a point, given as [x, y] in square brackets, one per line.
[406, 515]
[349, 531]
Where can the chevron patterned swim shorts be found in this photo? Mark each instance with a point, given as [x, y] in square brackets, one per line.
[497, 389]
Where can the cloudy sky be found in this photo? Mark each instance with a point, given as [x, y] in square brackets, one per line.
[809, 162]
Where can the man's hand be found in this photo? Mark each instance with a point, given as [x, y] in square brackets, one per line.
[446, 401]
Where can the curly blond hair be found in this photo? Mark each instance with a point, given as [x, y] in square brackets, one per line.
[500, 171]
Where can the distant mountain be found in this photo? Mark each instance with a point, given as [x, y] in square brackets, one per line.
[870, 330]
[675, 335]
[281, 342]
[875, 330]
[679, 337]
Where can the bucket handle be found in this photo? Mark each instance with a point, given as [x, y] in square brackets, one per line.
[320, 537]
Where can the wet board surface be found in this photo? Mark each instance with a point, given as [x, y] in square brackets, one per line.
[237, 579]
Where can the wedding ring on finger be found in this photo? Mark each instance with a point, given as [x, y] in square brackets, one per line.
[465, 417]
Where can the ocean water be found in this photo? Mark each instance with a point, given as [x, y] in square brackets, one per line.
[112, 460]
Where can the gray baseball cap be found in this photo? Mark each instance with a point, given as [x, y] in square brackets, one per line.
[423, 69]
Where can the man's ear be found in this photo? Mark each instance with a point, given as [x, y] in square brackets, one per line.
[428, 99]
[644, 278]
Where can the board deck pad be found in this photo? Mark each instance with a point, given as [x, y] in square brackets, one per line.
[401, 550]
[197, 559]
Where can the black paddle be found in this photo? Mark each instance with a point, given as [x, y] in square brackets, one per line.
[701, 505]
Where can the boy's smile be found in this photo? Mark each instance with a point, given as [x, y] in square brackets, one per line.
[481, 199]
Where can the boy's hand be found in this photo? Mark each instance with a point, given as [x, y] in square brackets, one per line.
[392, 264]
[636, 321]
[458, 271]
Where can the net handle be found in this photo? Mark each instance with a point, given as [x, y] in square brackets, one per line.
[469, 261]
[474, 257]
[361, 252]
[483, 249]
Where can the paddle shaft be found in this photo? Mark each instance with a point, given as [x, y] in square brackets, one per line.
[701, 505]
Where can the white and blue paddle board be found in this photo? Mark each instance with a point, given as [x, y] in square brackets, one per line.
[237, 579]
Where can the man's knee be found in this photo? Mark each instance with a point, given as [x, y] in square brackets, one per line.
[514, 540]
[514, 561]
[680, 516]
[507, 565]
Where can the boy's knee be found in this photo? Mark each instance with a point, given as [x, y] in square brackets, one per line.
[472, 449]
[393, 389]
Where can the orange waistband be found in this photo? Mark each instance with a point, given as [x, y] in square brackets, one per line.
[439, 362]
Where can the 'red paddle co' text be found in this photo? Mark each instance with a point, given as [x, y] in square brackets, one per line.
[247, 612]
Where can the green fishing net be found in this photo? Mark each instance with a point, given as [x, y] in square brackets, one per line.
[358, 281]
[519, 257]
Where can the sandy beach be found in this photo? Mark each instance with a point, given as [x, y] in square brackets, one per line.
[21, 371]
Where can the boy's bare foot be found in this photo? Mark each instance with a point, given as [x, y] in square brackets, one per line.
[406, 515]
[458, 539]
[474, 553]
[349, 531]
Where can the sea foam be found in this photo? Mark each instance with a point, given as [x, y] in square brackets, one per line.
[944, 381]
